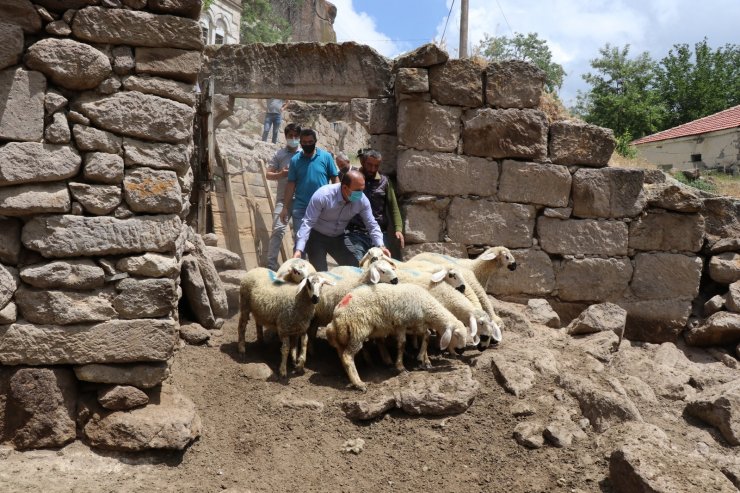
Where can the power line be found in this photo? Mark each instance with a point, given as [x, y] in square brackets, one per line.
[502, 13]
[448, 20]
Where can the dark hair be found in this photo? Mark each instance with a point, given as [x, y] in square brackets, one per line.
[309, 131]
[292, 127]
[349, 175]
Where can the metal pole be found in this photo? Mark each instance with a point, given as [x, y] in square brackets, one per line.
[464, 29]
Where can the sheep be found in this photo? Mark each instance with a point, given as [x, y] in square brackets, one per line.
[476, 273]
[374, 254]
[383, 310]
[282, 306]
[294, 270]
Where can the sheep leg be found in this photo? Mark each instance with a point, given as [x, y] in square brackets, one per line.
[242, 330]
[284, 350]
[400, 344]
[260, 335]
[312, 329]
[423, 356]
[304, 348]
[294, 350]
[384, 354]
[348, 361]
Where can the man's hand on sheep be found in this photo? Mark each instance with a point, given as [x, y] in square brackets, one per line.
[298, 254]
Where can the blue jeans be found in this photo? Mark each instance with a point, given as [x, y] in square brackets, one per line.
[273, 119]
[276, 238]
[359, 242]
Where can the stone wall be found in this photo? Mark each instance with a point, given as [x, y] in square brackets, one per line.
[95, 151]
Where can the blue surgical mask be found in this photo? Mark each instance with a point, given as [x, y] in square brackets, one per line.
[293, 143]
[355, 196]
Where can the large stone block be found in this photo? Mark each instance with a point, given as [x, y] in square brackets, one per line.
[655, 321]
[411, 80]
[143, 298]
[491, 223]
[509, 133]
[149, 265]
[309, 71]
[27, 162]
[22, 94]
[582, 237]
[184, 8]
[377, 116]
[9, 283]
[667, 231]
[578, 143]
[166, 88]
[135, 341]
[92, 139]
[143, 376]
[421, 224]
[534, 275]
[424, 56]
[195, 292]
[96, 199]
[175, 157]
[64, 274]
[101, 167]
[172, 63]
[593, 279]
[135, 28]
[142, 116]
[428, 126]
[722, 216]
[446, 174]
[608, 192]
[77, 236]
[720, 329]
[68, 63]
[64, 5]
[25, 200]
[153, 191]
[57, 132]
[41, 405]
[514, 84]
[666, 276]
[673, 196]
[10, 240]
[63, 307]
[725, 268]
[458, 82]
[533, 183]
[452, 249]
[21, 13]
[11, 44]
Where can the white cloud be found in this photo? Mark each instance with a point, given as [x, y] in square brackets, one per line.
[576, 29]
[351, 25]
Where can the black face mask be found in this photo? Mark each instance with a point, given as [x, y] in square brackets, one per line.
[308, 149]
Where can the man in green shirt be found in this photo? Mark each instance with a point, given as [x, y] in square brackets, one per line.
[380, 193]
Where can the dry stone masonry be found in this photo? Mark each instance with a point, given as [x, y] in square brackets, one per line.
[96, 142]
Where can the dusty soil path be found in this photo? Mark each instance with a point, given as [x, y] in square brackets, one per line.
[265, 436]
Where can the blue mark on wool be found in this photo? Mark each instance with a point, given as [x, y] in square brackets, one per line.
[335, 276]
[274, 278]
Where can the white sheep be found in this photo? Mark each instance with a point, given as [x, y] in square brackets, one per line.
[281, 306]
[476, 273]
[374, 254]
[385, 310]
[294, 270]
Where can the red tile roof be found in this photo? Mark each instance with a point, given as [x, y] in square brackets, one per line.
[729, 118]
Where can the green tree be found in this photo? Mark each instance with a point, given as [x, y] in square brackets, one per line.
[261, 24]
[622, 94]
[699, 83]
[529, 48]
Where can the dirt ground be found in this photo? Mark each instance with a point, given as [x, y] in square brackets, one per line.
[252, 442]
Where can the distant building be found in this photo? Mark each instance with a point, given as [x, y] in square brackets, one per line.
[220, 23]
[707, 143]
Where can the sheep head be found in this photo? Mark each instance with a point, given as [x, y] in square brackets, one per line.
[451, 277]
[312, 284]
[382, 271]
[454, 338]
[489, 331]
[373, 255]
[295, 270]
[500, 254]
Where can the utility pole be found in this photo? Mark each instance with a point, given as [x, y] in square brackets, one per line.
[464, 29]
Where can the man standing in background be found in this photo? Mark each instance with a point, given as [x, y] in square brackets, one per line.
[273, 117]
[278, 170]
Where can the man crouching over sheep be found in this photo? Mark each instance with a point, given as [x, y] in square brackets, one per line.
[322, 230]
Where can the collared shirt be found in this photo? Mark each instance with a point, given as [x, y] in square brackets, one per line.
[328, 213]
[281, 161]
[309, 174]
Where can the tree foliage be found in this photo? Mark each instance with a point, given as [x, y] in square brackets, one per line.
[529, 48]
[262, 24]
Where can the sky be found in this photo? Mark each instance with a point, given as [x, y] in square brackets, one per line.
[574, 29]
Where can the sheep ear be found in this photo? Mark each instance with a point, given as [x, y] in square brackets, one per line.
[446, 338]
[392, 262]
[473, 326]
[302, 285]
[374, 275]
[476, 340]
[488, 256]
[327, 282]
[438, 276]
[496, 336]
[365, 259]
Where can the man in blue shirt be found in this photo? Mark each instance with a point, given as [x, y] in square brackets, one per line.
[309, 170]
[327, 215]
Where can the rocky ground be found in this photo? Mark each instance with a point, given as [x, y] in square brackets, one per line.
[549, 412]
